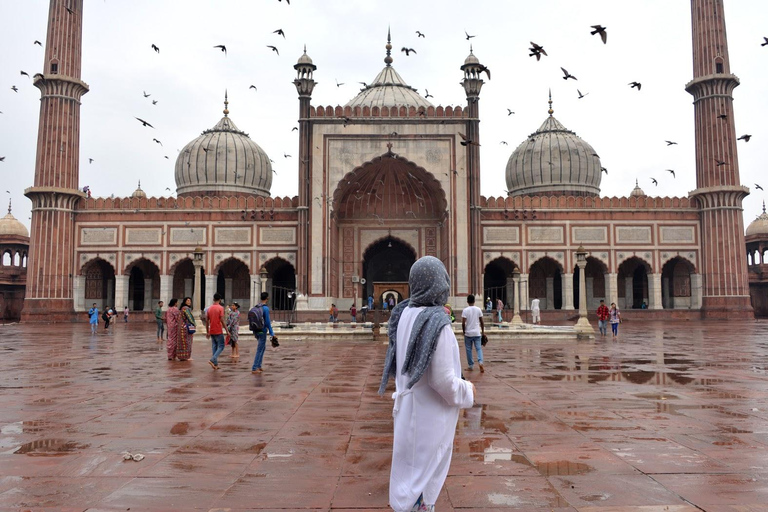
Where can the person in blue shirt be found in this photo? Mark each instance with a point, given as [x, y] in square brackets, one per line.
[93, 315]
[262, 336]
[370, 302]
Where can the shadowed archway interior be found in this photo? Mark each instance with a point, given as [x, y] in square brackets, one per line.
[388, 260]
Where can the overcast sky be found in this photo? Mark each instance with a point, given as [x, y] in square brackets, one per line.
[649, 41]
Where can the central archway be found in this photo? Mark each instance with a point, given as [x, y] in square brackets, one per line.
[388, 260]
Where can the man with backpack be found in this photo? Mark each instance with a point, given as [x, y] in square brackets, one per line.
[259, 323]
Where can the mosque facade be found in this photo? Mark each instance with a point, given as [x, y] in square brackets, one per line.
[383, 180]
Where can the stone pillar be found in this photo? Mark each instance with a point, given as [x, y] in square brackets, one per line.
[210, 289]
[549, 300]
[255, 289]
[121, 292]
[612, 283]
[166, 283]
[567, 291]
[525, 302]
[654, 291]
[666, 296]
[512, 297]
[148, 306]
[583, 327]
[696, 291]
[590, 292]
[516, 320]
[78, 292]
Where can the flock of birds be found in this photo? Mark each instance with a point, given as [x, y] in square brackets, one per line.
[535, 50]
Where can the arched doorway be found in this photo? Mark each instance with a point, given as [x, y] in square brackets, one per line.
[388, 260]
[497, 281]
[184, 282]
[99, 283]
[676, 284]
[633, 283]
[143, 285]
[545, 282]
[233, 283]
[281, 284]
[594, 280]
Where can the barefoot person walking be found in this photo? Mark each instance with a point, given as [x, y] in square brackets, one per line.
[423, 358]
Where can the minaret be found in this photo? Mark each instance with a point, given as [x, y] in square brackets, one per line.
[55, 191]
[719, 192]
[472, 84]
[305, 84]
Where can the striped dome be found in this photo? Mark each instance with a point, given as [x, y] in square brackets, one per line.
[554, 161]
[223, 161]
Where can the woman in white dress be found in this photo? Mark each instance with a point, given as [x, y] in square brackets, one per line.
[426, 410]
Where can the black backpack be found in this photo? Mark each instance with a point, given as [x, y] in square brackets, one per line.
[256, 318]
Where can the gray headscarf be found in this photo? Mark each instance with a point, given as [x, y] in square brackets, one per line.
[429, 287]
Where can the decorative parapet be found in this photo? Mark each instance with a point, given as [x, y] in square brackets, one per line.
[187, 203]
[380, 112]
[596, 203]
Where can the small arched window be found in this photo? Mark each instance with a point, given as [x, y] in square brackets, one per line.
[24, 261]
[17, 260]
[54, 66]
[7, 259]
[719, 65]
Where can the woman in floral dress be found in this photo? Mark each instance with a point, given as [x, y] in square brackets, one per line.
[233, 328]
[184, 343]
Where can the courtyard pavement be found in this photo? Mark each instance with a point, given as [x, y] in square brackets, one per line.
[669, 417]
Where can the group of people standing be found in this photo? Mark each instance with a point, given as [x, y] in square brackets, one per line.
[607, 316]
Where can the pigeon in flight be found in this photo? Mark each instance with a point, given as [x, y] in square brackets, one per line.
[567, 75]
[24, 73]
[468, 36]
[154, 47]
[745, 137]
[274, 49]
[154, 102]
[144, 123]
[157, 141]
[466, 141]
[669, 142]
[338, 84]
[537, 50]
[146, 95]
[38, 43]
[253, 87]
[599, 29]
[765, 43]
[427, 95]
[408, 51]
[279, 32]
[672, 172]
[720, 163]
[580, 94]
[758, 187]
[635, 84]
[420, 34]
[509, 112]
[222, 47]
[655, 182]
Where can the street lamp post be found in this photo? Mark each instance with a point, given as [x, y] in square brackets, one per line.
[516, 320]
[197, 263]
[263, 276]
[583, 327]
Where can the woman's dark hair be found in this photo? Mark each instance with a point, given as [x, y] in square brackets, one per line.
[172, 302]
[184, 302]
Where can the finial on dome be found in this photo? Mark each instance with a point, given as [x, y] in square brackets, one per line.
[139, 184]
[550, 111]
[388, 58]
[9, 206]
[226, 104]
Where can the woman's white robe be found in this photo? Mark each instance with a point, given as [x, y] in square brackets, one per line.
[425, 419]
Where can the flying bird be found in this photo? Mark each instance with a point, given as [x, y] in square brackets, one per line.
[567, 75]
[599, 29]
[723, 116]
[765, 43]
[2, 159]
[427, 95]
[537, 50]
[69, 10]
[295, 128]
[408, 51]
[669, 142]
[603, 169]
[337, 83]
[144, 123]
[90, 160]
[468, 36]
[157, 141]
[253, 87]
[509, 112]
[363, 84]
[720, 162]
[24, 73]
[466, 141]
[635, 84]
[286, 155]
[485, 69]
[580, 94]
[154, 102]
[146, 95]
[38, 43]
[504, 142]
[655, 182]
[671, 171]
[419, 34]
[222, 47]
[286, 1]
[14, 88]
[154, 47]
[758, 187]
[279, 32]
[745, 137]
[274, 49]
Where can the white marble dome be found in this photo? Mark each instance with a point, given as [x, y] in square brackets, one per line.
[759, 226]
[554, 161]
[9, 225]
[223, 161]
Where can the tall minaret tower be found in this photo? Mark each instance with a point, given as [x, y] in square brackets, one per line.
[55, 191]
[719, 192]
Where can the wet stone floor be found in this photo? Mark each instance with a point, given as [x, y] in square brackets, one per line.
[668, 417]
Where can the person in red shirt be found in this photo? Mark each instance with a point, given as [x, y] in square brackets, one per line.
[215, 328]
[603, 314]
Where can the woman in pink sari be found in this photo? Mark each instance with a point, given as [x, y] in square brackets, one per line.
[173, 317]
[184, 342]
